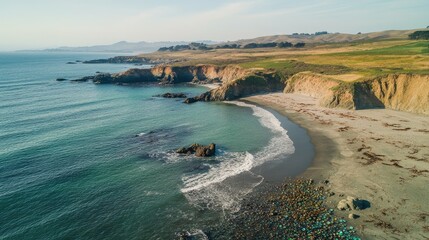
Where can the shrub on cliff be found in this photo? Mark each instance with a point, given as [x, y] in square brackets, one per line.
[284, 45]
[299, 45]
[260, 45]
[228, 46]
[419, 35]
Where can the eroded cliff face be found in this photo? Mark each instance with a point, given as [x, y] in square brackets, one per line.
[171, 75]
[311, 84]
[236, 81]
[404, 92]
[254, 83]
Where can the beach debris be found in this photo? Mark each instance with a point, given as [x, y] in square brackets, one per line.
[353, 216]
[343, 205]
[371, 158]
[199, 150]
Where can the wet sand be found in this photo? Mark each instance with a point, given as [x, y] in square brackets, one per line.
[380, 155]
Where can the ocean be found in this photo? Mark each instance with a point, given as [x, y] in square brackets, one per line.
[87, 161]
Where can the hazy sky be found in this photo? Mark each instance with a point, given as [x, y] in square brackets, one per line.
[36, 24]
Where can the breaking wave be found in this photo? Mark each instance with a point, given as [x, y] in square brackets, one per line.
[225, 184]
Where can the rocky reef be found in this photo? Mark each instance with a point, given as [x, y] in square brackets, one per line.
[198, 150]
[171, 95]
[128, 60]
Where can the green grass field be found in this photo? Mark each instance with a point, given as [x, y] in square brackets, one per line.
[420, 47]
[357, 60]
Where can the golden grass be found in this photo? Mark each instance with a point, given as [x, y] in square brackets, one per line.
[350, 77]
[362, 59]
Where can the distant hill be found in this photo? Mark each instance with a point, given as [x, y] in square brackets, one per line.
[329, 37]
[123, 47]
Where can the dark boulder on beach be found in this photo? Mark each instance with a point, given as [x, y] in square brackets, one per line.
[198, 150]
[172, 95]
[353, 203]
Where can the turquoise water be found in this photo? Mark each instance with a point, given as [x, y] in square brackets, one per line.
[85, 161]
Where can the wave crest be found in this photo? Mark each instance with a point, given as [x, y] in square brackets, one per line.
[224, 185]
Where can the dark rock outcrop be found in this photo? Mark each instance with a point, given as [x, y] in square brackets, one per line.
[84, 79]
[174, 74]
[191, 100]
[121, 59]
[198, 150]
[236, 82]
[172, 95]
[260, 82]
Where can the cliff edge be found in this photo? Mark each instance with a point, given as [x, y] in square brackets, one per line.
[403, 92]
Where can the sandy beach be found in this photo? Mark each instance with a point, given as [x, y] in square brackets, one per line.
[378, 155]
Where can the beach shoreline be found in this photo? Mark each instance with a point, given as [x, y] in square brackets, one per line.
[369, 154]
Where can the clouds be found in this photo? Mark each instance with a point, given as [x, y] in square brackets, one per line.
[49, 23]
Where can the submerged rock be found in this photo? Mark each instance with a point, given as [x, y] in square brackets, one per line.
[191, 100]
[172, 95]
[198, 150]
[84, 79]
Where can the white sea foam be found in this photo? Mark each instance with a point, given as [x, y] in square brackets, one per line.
[234, 164]
[152, 193]
[217, 187]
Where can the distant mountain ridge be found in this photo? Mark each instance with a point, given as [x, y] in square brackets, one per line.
[316, 38]
[123, 47]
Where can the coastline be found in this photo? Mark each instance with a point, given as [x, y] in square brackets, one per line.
[370, 154]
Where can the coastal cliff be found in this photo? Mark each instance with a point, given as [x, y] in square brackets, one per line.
[403, 92]
[236, 82]
[171, 75]
[254, 83]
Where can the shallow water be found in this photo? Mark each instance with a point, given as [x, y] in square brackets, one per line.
[79, 160]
